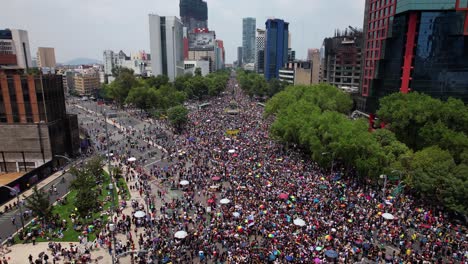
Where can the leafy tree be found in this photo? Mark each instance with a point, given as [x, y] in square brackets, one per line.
[119, 89]
[94, 167]
[84, 183]
[138, 96]
[406, 114]
[325, 96]
[198, 71]
[178, 116]
[180, 83]
[39, 203]
[157, 81]
[275, 86]
[431, 171]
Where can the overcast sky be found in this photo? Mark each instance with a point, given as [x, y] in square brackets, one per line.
[85, 28]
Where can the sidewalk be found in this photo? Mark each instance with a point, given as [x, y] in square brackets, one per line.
[20, 252]
[24, 195]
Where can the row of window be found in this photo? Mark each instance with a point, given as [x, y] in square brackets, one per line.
[377, 4]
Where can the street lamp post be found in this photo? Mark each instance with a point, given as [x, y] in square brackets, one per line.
[112, 224]
[384, 176]
[16, 192]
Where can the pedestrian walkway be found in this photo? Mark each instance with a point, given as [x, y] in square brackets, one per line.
[20, 252]
[24, 195]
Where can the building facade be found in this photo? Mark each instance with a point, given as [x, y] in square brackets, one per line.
[240, 56]
[194, 14]
[191, 66]
[34, 125]
[276, 47]
[414, 46]
[14, 48]
[341, 64]
[313, 55]
[46, 57]
[86, 84]
[297, 73]
[260, 51]
[167, 47]
[249, 25]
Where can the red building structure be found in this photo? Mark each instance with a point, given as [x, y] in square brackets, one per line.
[412, 45]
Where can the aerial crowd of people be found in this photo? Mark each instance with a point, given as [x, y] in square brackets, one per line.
[231, 194]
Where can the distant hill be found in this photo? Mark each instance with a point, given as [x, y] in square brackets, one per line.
[80, 61]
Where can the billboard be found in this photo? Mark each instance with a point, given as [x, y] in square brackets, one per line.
[202, 41]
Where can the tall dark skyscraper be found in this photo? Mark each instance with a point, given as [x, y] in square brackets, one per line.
[276, 47]
[194, 14]
[248, 39]
[413, 45]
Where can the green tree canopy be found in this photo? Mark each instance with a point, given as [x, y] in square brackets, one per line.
[178, 116]
[39, 203]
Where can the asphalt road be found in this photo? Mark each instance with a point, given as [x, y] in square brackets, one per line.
[90, 117]
[8, 228]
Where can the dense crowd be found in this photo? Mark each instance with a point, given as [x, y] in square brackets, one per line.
[250, 200]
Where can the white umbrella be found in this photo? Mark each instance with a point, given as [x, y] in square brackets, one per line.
[184, 182]
[139, 214]
[388, 216]
[299, 222]
[231, 151]
[227, 139]
[236, 214]
[180, 234]
[110, 155]
[131, 159]
[224, 201]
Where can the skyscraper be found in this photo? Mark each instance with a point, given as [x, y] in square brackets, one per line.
[249, 25]
[166, 44]
[194, 14]
[240, 53]
[260, 51]
[46, 57]
[414, 45]
[276, 47]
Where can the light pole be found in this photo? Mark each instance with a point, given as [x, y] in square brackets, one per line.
[112, 224]
[16, 193]
[384, 176]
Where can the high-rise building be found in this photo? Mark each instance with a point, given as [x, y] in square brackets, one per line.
[220, 54]
[194, 14]
[14, 48]
[202, 45]
[34, 125]
[414, 45]
[240, 56]
[276, 47]
[260, 51]
[249, 25]
[342, 60]
[167, 47]
[109, 61]
[46, 57]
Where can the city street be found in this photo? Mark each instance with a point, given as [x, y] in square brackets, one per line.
[8, 228]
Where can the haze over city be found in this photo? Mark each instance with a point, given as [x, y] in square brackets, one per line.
[87, 27]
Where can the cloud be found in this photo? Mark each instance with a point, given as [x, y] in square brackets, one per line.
[85, 28]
